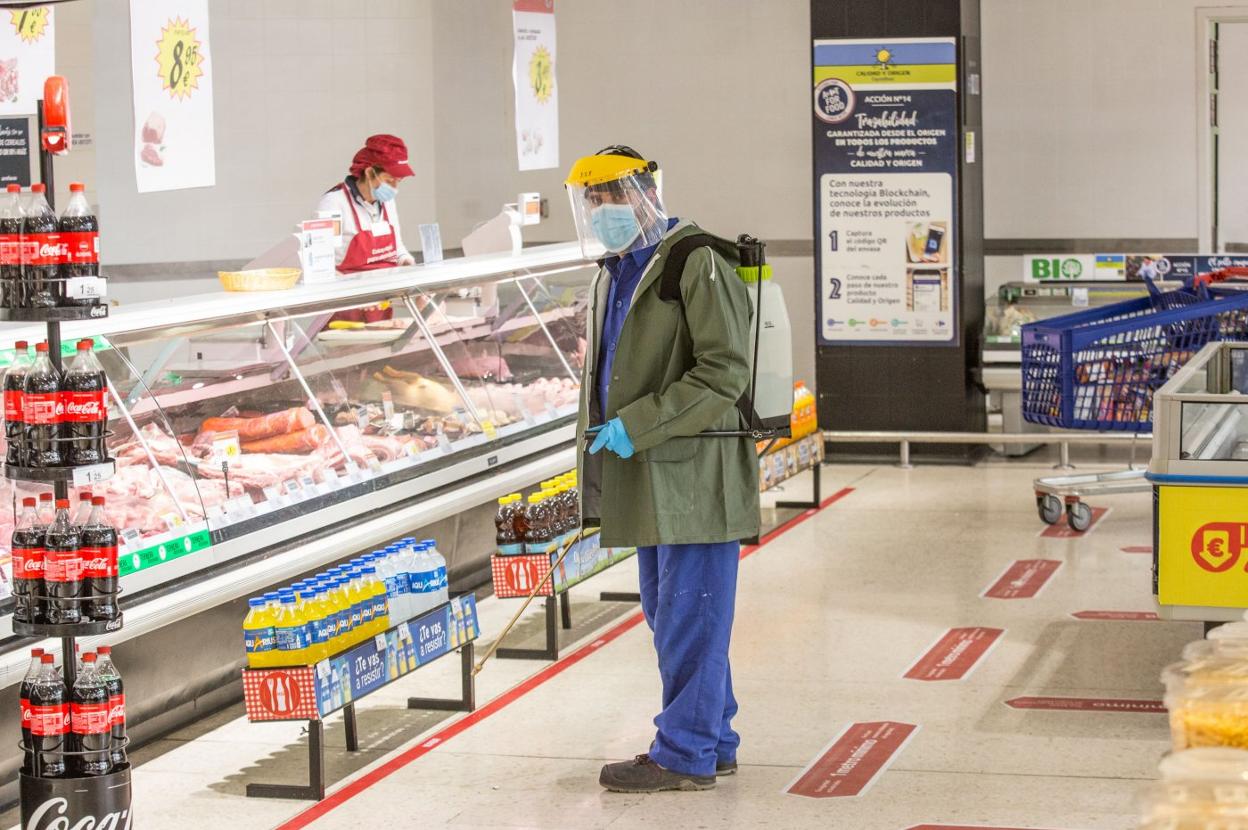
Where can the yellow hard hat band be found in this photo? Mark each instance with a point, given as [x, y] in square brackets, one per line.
[594, 170]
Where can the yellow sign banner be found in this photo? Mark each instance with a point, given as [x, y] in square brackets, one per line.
[1202, 556]
[935, 73]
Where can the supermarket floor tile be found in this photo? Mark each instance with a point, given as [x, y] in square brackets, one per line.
[830, 616]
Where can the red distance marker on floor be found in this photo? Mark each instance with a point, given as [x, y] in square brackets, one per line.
[851, 763]
[1023, 579]
[1063, 530]
[1089, 704]
[955, 655]
[1128, 616]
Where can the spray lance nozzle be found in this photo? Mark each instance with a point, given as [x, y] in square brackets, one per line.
[750, 251]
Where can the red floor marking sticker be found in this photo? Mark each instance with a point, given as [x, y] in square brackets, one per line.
[1062, 530]
[1138, 549]
[1088, 704]
[965, 827]
[851, 763]
[1116, 615]
[1023, 579]
[955, 655]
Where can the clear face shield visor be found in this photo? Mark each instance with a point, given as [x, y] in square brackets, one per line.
[618, 216]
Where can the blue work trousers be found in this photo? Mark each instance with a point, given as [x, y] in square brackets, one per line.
[687, 594]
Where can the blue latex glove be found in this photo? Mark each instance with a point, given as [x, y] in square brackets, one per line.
[613, 437]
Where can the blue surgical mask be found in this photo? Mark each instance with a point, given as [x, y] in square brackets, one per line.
[616, 226]
[384, 192]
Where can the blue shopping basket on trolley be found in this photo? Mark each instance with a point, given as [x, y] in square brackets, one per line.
[1098, 369]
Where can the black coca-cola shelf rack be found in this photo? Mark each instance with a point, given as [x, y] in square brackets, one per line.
[94, 796]
[60, 314]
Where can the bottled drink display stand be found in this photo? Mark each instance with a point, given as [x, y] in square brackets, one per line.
[781, 464]
[515, 575]
[312, 693]
[94, 797]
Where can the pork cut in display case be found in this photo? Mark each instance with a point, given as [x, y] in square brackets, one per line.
[241, 431]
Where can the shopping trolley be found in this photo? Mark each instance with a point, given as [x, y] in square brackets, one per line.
[1098, 369]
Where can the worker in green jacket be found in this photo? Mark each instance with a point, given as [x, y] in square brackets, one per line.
[667, 358]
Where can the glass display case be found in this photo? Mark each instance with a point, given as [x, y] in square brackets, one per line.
[1201, 424]
[234, 431]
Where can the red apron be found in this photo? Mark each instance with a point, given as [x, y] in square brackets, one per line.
[368, 251]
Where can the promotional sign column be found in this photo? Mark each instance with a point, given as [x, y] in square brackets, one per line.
[886, 142]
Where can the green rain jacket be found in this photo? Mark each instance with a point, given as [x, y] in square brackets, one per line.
[675, 374]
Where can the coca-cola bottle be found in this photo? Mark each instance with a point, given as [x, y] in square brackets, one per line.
[41, 411]
[36, 663]
[85, 415]
[80, 242]
[26, 547]
[11, 247]
[41, 253]
[49, 721]
[47, 511]
[116, 705]
[14, 404]
[62, 569]
[83, 512]
[89, 721]
[99, 564]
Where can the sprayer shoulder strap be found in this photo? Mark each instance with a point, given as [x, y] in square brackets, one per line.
[674, 266]
[669, 290]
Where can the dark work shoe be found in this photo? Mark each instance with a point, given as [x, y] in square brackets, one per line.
[641, 775]
[725, 768]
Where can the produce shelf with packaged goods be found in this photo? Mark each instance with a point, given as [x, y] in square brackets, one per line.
[476, 399]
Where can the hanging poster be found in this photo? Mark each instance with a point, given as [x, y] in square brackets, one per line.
[15, 151]
[172, 77]
[533, 73]
[27, 57]
[886, 167]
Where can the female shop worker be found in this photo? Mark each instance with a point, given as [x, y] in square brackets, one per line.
[365, 201]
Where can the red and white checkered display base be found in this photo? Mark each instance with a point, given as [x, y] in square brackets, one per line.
[280, 694]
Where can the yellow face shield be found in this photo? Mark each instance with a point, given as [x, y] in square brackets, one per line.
[616, 204]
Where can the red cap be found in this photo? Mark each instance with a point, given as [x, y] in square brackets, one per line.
[29, 501]
[62, 504]
[36, 652]
[41, 347]
[89, 657]
[37, 187]
[45, 497]
[385, 151]
[104, 650]
[76, 187]
[47, 658]
[22, 344]
[14, 188]
[86, 344]
[97, 501]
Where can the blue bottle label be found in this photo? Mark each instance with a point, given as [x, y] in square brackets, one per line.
[259, 640]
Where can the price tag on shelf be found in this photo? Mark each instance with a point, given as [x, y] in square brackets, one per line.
[396, 421]
[239, 507]
[405, 632]
[411, 449]
[92, 474]
[226, 447]
[130, 537]
[444, 443]
[487, 427]
[353, 472]
[331, 478]
[550, 411]
[361, 418]
[387, 405]
[529, 420]
[86, 288]
[380, 642]
[172, 520]
[292, 488]
[273, 495]
[308, 483]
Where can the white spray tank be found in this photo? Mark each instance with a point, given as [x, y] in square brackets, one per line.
[771, 341]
